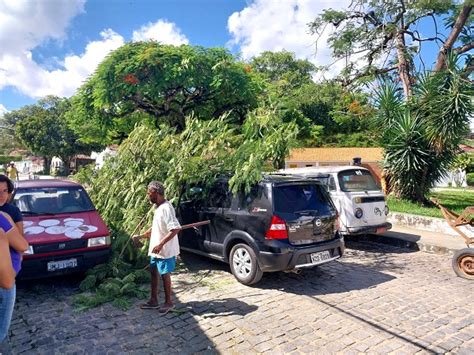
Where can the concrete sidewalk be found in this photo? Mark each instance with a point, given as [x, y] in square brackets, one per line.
[416, 239]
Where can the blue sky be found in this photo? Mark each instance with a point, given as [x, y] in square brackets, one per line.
[52, 46]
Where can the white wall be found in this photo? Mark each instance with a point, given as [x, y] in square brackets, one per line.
[453, 178]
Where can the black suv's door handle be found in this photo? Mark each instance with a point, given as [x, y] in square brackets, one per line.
[228, 219]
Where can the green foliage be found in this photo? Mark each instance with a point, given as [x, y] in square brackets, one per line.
[8, 141]
[324, 112]
[84, 175]
[470, 179]
[462, 161]
[389, 101]
[162, 84]
[421, 136]
[455, 199]
[114, 282]
[202, 152]
[283, 69]
[43, 129]
[5, 159]
[343, 114]
[366, 138]
[470, 167]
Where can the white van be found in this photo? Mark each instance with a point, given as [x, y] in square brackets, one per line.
[359, 200]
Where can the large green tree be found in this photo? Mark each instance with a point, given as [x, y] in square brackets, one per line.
[43, 129]
[375, 37]
[7, 137]
[326, 113]
[162, 84]
[284, 69]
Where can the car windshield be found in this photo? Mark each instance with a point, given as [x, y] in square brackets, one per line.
[357, 180]
[302, 199]
[38, 201]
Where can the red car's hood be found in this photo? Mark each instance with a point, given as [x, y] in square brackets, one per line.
[63, 227]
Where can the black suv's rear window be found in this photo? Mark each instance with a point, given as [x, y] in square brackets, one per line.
[52, 200]
[357, 180]
[302, 198]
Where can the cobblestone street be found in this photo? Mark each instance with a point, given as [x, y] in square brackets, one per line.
[377, 299]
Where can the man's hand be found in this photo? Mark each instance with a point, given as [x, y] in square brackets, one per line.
[157, 249]
[136, 241]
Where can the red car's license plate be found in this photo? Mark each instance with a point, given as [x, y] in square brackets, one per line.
[62, 264]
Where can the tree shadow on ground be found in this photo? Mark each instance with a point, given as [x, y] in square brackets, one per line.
[65, 283]
[217, 308]
[405, 243]
[195, 263]
[332, 278]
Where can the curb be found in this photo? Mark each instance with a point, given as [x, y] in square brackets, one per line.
[402, 243]
[431, 224]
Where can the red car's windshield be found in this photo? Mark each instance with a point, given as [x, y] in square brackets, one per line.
[52, 200]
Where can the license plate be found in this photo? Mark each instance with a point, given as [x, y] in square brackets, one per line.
[317, 258]
[62, 264]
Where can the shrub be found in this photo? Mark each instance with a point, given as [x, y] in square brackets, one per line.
[470, 179]
[5, 159]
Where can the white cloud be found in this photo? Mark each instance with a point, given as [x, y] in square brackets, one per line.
[26, 24]
[3, 110]
[274, 25]
[22, 72]
[162, 31]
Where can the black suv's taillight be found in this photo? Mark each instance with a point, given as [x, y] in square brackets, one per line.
[277, 229]
[337, 224]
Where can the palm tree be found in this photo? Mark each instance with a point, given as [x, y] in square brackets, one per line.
[421, 135]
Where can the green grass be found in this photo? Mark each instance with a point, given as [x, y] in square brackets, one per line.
[453, 199]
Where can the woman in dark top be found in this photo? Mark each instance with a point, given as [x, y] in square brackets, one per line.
[6, 189]
[9, 235]
[7, 274]
[11, 229]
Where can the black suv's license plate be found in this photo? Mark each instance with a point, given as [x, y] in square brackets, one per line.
[317, 258]
[62, 264]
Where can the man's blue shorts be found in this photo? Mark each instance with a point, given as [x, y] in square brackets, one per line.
[164, 266]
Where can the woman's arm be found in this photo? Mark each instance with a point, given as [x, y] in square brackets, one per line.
[7, 274]
[14, 237]
[19, 225]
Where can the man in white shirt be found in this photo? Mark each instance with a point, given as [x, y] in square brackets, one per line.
[164, 246]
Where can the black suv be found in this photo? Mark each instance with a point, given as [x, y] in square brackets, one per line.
[283, 224]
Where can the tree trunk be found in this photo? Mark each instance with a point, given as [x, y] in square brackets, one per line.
[403, 65]
[421, 191]
[67, 165]
[453, 36]
[47, 165]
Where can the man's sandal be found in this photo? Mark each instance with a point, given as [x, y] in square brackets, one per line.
[149, 305]
[165, 309]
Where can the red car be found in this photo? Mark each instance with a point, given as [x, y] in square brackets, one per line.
[65, 231]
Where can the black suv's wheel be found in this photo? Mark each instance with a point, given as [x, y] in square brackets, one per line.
[244, 265]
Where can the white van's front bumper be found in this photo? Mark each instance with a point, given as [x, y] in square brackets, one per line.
[374, 229]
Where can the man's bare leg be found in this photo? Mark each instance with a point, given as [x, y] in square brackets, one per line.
[167, 287]
[155, 283]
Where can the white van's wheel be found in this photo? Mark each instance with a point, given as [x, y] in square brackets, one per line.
[244, 264]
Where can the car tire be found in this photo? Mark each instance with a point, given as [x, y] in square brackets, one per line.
[244, 264]
[463, 263]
